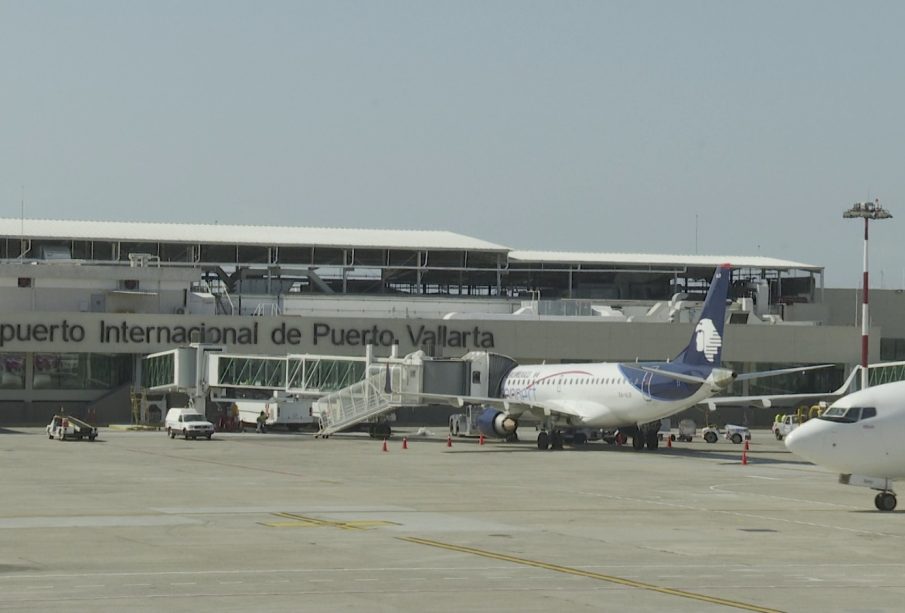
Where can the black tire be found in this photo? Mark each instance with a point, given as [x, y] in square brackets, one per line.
[885, 501]
[185, 433]
[543, 440]
[50, 436]
[579, 439]
[556, 441]
[653, 440]
[777, 435]
[638, 442]
[91, 437]
[736, 438]
[210, 435]
[710, 437]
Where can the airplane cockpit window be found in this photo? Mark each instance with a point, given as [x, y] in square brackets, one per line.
[848, 415]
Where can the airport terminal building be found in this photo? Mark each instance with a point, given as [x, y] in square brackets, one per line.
[84, 301]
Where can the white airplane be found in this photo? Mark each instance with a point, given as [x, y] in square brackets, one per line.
[862, 436]
[629, 396]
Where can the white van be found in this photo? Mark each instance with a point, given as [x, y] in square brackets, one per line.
[187, 422]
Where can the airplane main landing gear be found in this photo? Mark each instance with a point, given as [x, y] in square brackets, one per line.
[653, 439]
[551, 440]
[885, 501]
[638, 442]
[543, 440]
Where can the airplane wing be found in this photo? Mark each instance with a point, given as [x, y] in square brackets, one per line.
[766, 401]
[781, 371]
[507, 405]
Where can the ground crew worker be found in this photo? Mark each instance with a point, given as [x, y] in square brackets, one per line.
[261, 419]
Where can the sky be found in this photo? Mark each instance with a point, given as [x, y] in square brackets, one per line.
[712, 127]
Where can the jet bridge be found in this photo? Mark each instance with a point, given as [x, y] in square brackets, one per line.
[344, 391]
[205, 371]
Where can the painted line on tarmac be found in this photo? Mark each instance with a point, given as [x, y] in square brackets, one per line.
[588, 574]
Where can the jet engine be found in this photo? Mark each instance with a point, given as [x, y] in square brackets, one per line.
[494, 423]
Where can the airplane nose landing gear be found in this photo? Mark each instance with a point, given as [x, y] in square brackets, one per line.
[885, 501]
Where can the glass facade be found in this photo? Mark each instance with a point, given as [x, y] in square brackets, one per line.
[80, 371]
[12, 371]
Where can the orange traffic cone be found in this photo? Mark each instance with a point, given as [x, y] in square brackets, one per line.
[746, 444]
[481, 440]
[405, 442]
[449, 440]
[669, 441]
[385, 445]
[744, 457]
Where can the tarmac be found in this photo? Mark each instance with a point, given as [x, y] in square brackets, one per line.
[286, 522]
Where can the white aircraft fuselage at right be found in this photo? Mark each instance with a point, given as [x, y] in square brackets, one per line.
[861, 435]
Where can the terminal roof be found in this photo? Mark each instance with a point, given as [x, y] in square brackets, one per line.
[656, 260]
[225, 234]
[241, 235]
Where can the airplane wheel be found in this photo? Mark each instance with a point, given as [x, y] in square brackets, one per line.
[885, 501]
[653, 441]
[638, 442]
[556, 440]
[543, 440]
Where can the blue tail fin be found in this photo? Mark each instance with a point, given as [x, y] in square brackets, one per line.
[706, 345]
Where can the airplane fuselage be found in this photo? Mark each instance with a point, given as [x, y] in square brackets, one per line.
[607, 394]
[862, 433]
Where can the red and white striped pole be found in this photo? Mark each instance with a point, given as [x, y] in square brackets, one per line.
[865, 316]
[866, 211]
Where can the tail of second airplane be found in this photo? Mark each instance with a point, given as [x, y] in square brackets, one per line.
[706, 344]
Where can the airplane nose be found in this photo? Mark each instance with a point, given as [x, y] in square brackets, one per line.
[806, 441]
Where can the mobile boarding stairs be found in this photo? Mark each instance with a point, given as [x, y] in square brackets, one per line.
[393, 383]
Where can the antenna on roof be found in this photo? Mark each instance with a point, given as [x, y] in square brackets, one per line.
[695, 233]
[22, 225]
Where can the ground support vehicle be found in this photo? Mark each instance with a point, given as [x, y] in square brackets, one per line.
[187, 422]
[289, 412]
[687, 429]
[465, 424]
[784, 425]
[736, 434]
[62, 427]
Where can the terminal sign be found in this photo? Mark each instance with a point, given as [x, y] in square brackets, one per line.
[125, 333]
